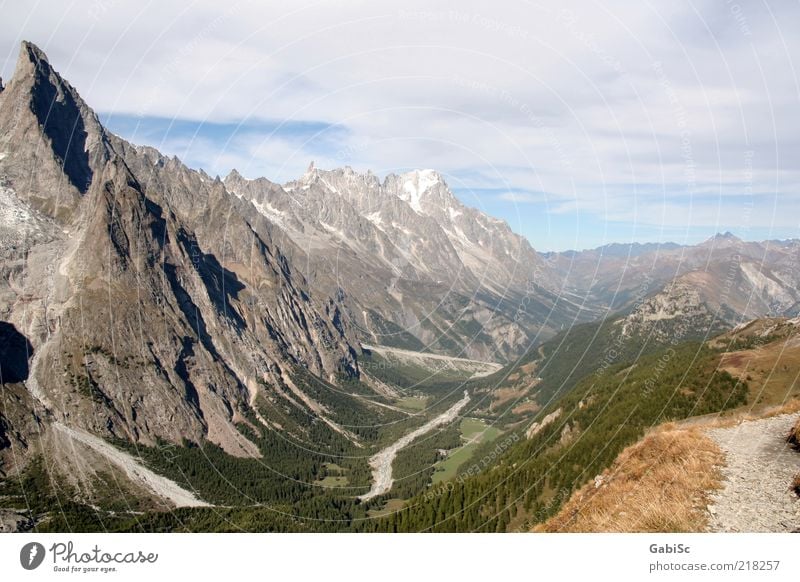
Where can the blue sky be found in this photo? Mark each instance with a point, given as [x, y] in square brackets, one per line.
[579, 123]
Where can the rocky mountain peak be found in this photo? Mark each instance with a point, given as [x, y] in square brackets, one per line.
[419, 187]
[233, 177]
[50, 134]
[726, 238]
[340, 181]
[34, 74]
[106, 217]
[30, 58]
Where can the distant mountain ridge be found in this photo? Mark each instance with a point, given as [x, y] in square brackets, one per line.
[739, 280]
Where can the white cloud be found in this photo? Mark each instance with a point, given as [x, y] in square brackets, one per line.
[523, 197]
[582, 101]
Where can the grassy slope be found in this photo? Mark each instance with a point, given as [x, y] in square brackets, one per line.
[549, 371]
[660, 483]
[766, 353]
[473, 433]
[602, 414]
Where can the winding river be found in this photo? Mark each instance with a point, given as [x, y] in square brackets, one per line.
[381, 462]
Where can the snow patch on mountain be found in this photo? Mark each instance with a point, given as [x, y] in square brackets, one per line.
[18, 221]
[415, 184]
[375, 218]
[275, 215]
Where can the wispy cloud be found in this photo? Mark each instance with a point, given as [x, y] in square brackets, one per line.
[523, 197]
[623, 114]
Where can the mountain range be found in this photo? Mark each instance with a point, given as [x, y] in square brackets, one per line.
[143, 302]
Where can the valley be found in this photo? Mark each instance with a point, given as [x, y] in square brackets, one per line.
[381, 462]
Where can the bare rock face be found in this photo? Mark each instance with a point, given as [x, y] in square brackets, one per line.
[422, 270]
[677, 313]
[727, 292]
[154, 302]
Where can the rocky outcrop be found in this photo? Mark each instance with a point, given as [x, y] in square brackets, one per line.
[538, 426]
[155, 303]
[678, 313]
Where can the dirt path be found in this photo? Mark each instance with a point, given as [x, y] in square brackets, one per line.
[759, 469]
[381, 462]
[161, 486]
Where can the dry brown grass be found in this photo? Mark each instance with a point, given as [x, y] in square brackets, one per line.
[772, 371]
[794, 437]
[659, 484]
[796, 484]
[502, 396]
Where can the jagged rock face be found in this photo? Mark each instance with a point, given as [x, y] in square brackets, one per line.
[51, 139]
[486, 246]
[153, 300]
[423, 270]
[19, 425]
[435, 231]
